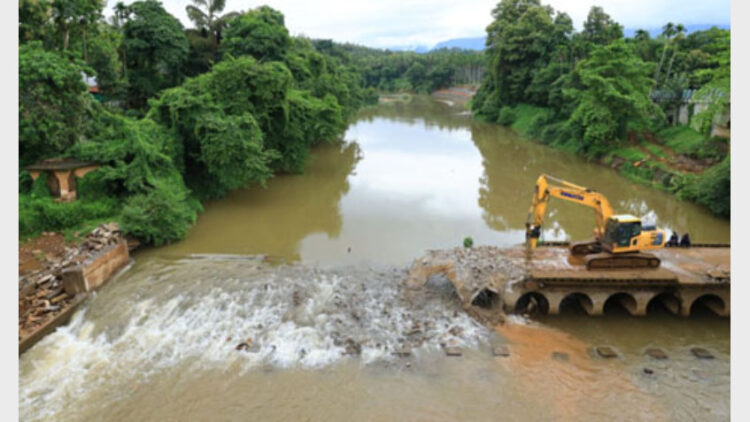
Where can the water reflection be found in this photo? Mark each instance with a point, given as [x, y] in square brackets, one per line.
[421, 176]
[275, 219]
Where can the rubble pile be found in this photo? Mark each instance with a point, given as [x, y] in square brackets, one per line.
[479, 275]
[41, 295]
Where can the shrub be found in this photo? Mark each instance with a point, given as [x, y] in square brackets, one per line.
[711, 188]
[468, 242]
[37, 214]
[161, 216]
[507, 116]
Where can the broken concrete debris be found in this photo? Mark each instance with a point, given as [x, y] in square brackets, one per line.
[656, 353]
[606, 352]
[41, 293]
[701, 353]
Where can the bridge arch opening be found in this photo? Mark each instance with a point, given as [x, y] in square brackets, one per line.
[486, 299]
[532, 304]
[620, 303]
[576, 304]
[706, 304]
[664, 303]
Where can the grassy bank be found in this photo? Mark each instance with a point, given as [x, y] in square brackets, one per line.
[676, 159]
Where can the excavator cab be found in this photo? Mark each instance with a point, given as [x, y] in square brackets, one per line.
[625, 233]
[619, 232]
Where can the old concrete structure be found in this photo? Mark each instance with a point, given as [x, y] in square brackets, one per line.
[61, 175]
[487, 279]
[687, 277]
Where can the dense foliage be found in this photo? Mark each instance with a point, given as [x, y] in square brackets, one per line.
[181, 115]
[257, 101]
[155, 48]
[418, 72]
[51, 102]
[596, 93]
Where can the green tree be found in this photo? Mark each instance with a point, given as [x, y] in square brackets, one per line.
[205, 16]
[519, 40]
[155, 49]
[599, 28]
[33, 20]
[259, 33]
[610, 89]
[104, 58]
[71, 15]
[668, 31]
[51, 103]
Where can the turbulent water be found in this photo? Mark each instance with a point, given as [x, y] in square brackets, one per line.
[202, 330]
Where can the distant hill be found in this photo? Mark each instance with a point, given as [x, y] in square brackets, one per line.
[655, 32]
[476, 43]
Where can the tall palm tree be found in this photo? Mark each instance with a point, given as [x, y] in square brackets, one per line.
[122, 14]
[679, 36]
[667, 31]
[205, 16]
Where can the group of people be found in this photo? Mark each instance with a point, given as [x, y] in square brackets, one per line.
[675, 240]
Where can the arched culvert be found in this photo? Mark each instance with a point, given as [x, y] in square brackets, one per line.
[532, 303]
[577, 303]
[620, 303]
[664, 303]
[708, 301]
[486, 299]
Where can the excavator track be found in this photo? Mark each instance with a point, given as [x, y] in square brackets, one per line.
[608, 261]
[585, 248]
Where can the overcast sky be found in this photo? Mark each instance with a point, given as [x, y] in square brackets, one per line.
[388, 23]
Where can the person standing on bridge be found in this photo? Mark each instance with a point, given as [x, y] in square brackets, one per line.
[685, 241]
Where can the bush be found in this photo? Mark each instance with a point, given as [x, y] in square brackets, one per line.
[712, 188]
[24, 182]
[468, 242]
[640, 174]
[507, 116]
[37, 214]
[370, 96]
[160, 216]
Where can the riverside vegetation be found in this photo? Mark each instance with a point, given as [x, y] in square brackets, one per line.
[599, 94]
[185, 115]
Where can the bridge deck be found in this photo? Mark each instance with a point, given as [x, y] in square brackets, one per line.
[682, 266]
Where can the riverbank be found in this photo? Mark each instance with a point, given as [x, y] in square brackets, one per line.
[55, 277]
[676, 159]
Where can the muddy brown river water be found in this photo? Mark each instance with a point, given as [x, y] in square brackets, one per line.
[323, 321]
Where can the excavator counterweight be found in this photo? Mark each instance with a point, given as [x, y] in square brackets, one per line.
[619, 239]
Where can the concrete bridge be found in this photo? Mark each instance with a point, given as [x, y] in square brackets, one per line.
[637, 300]
[487, 278]
[687, 277]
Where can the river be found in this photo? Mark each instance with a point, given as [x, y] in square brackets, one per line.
[322, 321]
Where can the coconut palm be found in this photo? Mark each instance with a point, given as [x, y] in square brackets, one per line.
[667, 31]
[678, 38]
[205, 16]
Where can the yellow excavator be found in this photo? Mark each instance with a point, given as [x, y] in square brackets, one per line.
[619, 239]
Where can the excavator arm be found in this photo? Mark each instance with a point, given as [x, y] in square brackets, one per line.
[569, 192]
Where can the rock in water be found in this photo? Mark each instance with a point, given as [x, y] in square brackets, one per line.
[500, 350]
[453, 351]
[560, 356]
[701, 353]
[656, 353]
[606, 352]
